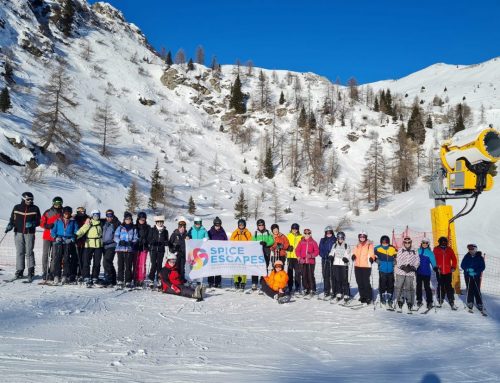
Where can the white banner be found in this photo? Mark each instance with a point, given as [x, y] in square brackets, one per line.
[207, 258]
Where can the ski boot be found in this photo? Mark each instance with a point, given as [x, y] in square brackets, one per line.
[56, 281]
[64, 281]
[18, 274]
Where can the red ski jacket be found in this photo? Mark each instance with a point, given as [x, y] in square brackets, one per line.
[445, 259]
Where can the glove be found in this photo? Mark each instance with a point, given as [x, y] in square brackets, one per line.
[9, 227]
[411, 269]
[69, 241]
[176, 289]
[263, 243]
[123, 243]
[290, 248]
[205, 239]
[435, 268]
[29, 225]
[353, 257]
[404, 268]
[371, 261]
[279, 246]
[49, 226]
[471, 272]
[345, 260]
[59, 239]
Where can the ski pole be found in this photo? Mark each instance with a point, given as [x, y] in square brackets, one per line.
[371, 274]
[1, 240]
[480, 295]
[467, 292]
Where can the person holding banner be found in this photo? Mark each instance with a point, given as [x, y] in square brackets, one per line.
[216, 233]
[172, 282]
[265, 238]
[241, 234]
[307, 250]
[275, 284]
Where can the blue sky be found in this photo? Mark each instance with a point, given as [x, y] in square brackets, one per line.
[370, 40]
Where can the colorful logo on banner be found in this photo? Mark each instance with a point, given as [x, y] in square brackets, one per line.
[198, 258]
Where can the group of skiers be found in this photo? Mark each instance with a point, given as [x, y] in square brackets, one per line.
[74, 242]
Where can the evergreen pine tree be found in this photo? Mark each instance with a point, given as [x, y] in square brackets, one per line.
[312, 122]
[67, 17]
[302, 121]
[376, 106]
[190, 65]
[383, 104]
[191, 205]
[428, 123]
[237, 101]
[416, 128]
[388, 102]
[459, 119]
[8, 73]
[169, 60]
[157, 192]
[282, 98]
[132, 199]
[5, 103]
[268, 164]
[241, 207]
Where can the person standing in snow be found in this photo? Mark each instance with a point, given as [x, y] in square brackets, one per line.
[406, 266]
[177, 245]
[64, 234]
[473, 265]
[385, 255]
[216, 233]
[266, 240]
[280, 245]
[307, 250]
[92, 231]
[424, 272]
[108, 238]
[24, 219]
[197, 231]
[49, 217]
[158, 240]
[172, 282]
[80, 218]
[142, 248]
[126, 237]
[341, 253]
[363, 257]
[241, 234]
[446, 262]
[275, 284]
[325, 247]
[293, 271]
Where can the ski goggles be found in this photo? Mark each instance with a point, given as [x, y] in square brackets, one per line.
[425, 242]
[407, 241]
[110, 215]
[306, 232]
[471, 247]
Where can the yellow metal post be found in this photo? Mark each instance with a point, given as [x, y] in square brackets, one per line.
[440, 217]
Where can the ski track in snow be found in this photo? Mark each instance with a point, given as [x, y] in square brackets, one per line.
[75, 334]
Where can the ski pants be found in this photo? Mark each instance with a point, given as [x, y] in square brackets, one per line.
[125, 262]
[96, 263]
[88, 254]
[269, 291]
[109, 267]
[78, 264]
[445, 288]
[156, 258]
[424, 280]
[362, 275]
[24, 249]
[341, 284]
[386, 284]
[328, 279]
[181, 259]
[308, 280]
[46, 249]
[64, 253]
[185, 291]
[293, 274]
[474, 290]
[255, 278]
[405, 289]
[241, 279]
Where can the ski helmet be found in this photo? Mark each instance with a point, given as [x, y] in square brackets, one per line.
[341, 235]
[295, 226]
[197, 220]
[159, 218]
[328, 228]
[81, 210]
[67, 209]
[142, 215]
[172, 257]
[27, 195]
[57, 201]
[407, 241]
[181, 221]
[275, 226]
[261, 222]
[241, 221]
[278, 262]
[385, 238]
[95, 212]
[362, 234]
[126, 215]
[217, 221]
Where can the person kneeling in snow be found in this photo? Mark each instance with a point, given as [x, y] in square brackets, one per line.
[172, 283]
[274, 285]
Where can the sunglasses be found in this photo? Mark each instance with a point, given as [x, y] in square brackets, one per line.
[425, 243]
[362, 236]
[28, 199]
[407, 242]
[471, 247]
[110, 215]
[278, 267]
[307, 233]
[197, 223]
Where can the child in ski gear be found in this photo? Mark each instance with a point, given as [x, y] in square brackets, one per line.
[385, 255]
[473, 265]
[126, 238]
[64, 234]
[406, 266]
[177, 245]
[424, 271]
[294, 238]
[80, 218]
[341, 253]
[280, 245]
[325, 247]
[92, 230]
[241, 234]
[363, 257]
[172, 282]
[24, 219]
[158, 240]
[446, 262]
[49, 217]
[216, 233]
[108, 238]
[266, 240]
[275, 284]
[142, 248]
[307, 250]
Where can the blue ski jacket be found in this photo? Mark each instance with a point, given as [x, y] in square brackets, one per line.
[427, 261]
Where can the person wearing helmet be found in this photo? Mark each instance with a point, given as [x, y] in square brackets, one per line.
[473, 265]
[385, 254]
[266, 240]
[293, 270]
[363, 257]
[280, 245]
[424, 272]
[274, 284]
[158, 240]
[341, 253]
[177, 245]
[172, 282]
[64, 234]
[241, 234]
[216, 233]
[325, 246]
[407, 263]
[446, 262]
[80, 218]
[92, 231]
[109, 227]
[198, 231]
[126, 238]
[142, 248]
[49, 217]
[307, 250]
[24, 219]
